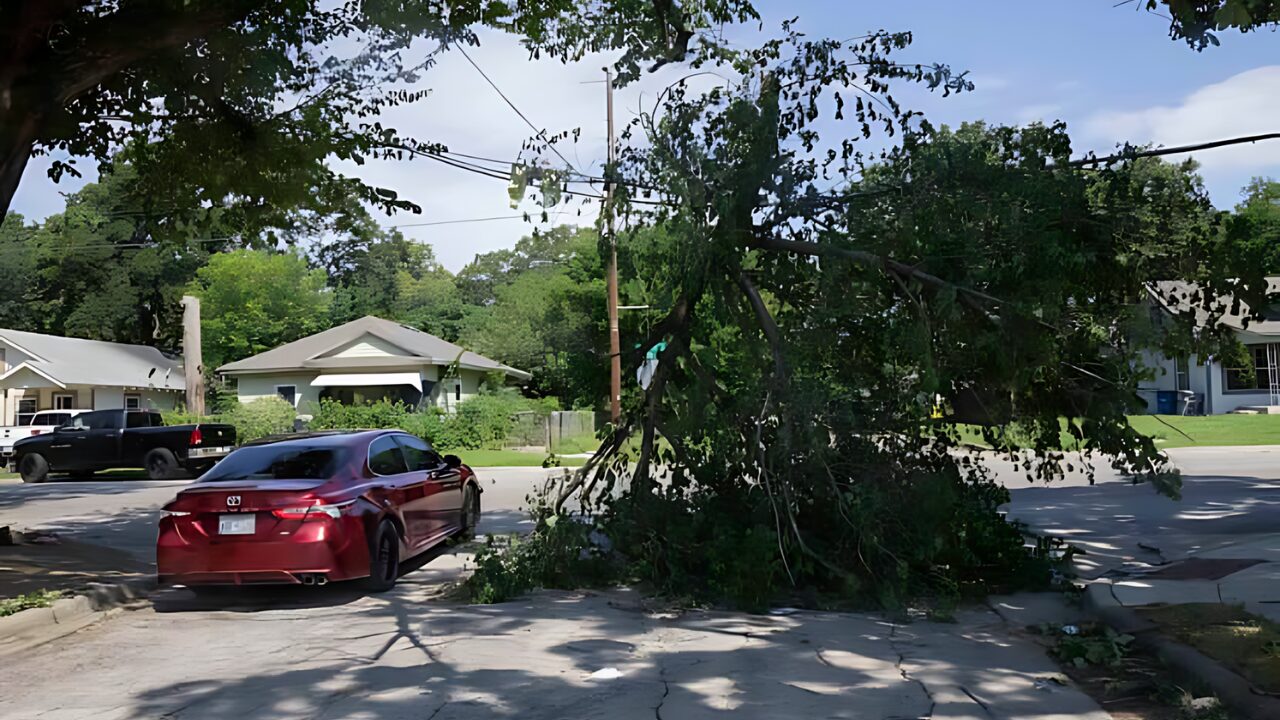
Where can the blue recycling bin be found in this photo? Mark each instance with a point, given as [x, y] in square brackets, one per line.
[1167, 402]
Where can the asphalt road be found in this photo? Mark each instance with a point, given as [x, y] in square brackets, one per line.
[334, 652]
[123, 514]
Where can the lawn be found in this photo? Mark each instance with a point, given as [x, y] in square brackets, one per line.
[1246, 643]
[1175, 431]
[511, 458]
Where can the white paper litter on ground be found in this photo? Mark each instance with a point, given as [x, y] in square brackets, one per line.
[606, 674]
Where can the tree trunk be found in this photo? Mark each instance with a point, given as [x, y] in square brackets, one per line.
[16, 141]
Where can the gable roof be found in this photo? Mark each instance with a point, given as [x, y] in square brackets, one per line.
[1177, 297]
[76, 361]
[419, 346]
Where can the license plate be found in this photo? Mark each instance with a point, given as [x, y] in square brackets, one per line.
[208, 452]
[237, 524]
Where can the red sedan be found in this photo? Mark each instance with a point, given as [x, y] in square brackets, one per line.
[316, 508]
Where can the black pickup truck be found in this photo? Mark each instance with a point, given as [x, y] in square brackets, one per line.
[107, 439]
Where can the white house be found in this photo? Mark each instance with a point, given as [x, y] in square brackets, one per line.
[366, 360]
[1203, 385]
[49, 372]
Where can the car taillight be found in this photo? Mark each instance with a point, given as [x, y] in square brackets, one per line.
[315, 512]
[34, 433]
[175, 513]
[196, 436]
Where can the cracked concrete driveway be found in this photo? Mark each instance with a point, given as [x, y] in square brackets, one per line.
[409, 654]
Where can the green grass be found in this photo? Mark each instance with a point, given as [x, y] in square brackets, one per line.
[1209, 430]
[1176, 431]
[577, 444]
[1246, 643]
[37, 599]
[511, 458]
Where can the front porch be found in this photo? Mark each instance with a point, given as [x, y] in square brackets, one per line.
[25, 394]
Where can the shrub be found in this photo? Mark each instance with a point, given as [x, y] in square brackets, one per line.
[333, 415]
[252, 420]
[561, 553]
[261, 417]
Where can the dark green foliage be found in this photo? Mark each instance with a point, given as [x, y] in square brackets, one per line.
[1195, 20]
[483, 421]
[252, 420]
[559, 554]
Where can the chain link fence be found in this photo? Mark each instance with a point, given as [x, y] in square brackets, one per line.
[559, 432]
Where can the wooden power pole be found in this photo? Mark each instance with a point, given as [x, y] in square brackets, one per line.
[192, 362]
[615, 343]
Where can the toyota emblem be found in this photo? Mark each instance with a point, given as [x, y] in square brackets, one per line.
[233, 501]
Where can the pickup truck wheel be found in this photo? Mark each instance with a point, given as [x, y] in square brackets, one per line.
[160, 464]
[33, 468]
[384, 559]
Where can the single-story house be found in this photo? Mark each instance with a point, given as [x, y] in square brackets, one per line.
[1203, 385]
[49, 372]
[366, 360]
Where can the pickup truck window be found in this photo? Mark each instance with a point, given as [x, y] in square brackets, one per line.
[105, 420]
[143, 419]
[54, 419]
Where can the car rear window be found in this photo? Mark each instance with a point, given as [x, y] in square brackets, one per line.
[279, 462]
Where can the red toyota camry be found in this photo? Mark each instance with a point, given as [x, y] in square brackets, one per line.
[316, 508]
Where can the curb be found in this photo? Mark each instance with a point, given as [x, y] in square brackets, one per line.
[1187, 663]
[36, 626]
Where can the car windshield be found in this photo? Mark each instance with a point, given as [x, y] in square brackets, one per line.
[279, 462]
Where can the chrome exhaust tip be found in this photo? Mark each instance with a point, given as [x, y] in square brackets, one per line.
[307, 579]
[321, 580]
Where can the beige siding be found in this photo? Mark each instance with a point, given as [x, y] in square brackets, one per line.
[467, 383]
[253, 387]
[368, 346]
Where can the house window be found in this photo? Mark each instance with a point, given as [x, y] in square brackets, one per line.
[27, 408]
[457, 390]
[1255, 378]
[64, 401]
[1182, 372]
[289, 393]
[132, 402]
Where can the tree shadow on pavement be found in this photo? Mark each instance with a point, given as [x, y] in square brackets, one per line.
[1121, 525]
[572, 655]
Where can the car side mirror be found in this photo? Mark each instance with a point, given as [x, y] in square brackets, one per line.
[452, 461]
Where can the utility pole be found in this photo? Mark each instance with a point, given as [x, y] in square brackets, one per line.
[192, 362]
[611, 281]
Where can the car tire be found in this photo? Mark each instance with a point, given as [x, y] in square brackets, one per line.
[33, 468]
[384, 559]
[470, 512]
[160, 464]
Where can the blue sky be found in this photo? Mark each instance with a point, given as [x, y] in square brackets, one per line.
[1111, 73]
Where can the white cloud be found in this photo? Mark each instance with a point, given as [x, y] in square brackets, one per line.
[1244, 104]
[467, 115]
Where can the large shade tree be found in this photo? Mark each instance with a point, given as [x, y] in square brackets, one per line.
[836, 317]
[245, 102]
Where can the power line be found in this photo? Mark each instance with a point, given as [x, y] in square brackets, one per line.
[540, 133]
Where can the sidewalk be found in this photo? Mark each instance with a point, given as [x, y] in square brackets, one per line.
[550, 655]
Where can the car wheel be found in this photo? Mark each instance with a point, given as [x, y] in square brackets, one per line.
[160, 464]
[470, 512]
[33, 468]
[384, 559]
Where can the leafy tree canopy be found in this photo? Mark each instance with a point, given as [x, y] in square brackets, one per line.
[1195, 20]
[242, 103]
[255, 300]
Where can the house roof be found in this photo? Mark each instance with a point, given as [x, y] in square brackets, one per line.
[76, 361]
[1178, 296]
[421, 348]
